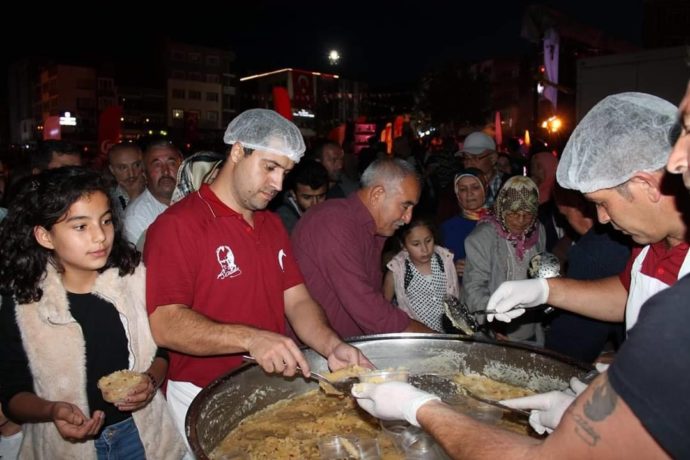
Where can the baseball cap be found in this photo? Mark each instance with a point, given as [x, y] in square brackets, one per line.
[478, 142]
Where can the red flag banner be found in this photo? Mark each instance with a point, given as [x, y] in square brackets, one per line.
[51, 129]
[499, 129]
[303, 90]
[281, 102]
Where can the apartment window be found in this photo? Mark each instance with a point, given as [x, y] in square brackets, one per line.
[195, 76]
[179, 93]
[212, 60]
[212, 115]
[178, 55]
[178, 114]
[178, 74]
[194, 58]
[211, 97]
[212, 78]
[194, 95]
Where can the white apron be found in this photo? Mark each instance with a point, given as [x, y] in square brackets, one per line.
[180, 396]
[642, 287]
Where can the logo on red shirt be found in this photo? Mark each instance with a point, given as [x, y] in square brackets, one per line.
[226, 259]
[281, 256]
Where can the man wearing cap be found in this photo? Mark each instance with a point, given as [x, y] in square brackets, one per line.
[479, 151]
[221, 276]
[636, 409]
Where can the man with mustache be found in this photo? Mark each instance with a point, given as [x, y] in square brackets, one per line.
[161, 162]
[338, 247]
[126, 164]
[221, 276]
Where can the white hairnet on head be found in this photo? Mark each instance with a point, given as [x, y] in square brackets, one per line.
[263, 129]
[621, 135]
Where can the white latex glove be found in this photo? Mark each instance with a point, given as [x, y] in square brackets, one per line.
[547, 409]
[512, 297]
[392, 400]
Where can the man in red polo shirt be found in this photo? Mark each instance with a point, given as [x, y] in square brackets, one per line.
[616, 158]
[221, 276]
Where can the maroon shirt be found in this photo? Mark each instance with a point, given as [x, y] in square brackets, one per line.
[339, 253]
[202, 254]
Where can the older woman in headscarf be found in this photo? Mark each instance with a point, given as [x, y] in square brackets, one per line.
[499, 249]
[470, 191]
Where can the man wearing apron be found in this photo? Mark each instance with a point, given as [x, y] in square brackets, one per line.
[616, 157]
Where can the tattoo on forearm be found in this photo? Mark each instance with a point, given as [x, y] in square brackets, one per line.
[601, 404]
[585, 431]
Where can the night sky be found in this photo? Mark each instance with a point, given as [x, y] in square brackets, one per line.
[381, 42]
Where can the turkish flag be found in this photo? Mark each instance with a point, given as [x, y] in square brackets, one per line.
[109, 128]
[303, 89]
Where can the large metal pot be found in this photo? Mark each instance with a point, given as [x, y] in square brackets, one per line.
[229, 399]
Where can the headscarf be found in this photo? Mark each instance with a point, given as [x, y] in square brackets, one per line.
[519, 193]
[479, 176]
[200, 168]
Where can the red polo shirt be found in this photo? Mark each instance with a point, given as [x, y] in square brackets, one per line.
[661, 262]
[202, 254]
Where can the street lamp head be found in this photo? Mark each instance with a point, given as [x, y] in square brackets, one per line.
[333, 57]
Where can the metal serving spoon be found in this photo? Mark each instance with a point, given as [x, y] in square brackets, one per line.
[339, 387]
[448, 389]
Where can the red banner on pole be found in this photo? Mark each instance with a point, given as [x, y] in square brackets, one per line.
[51, 129]
[281, 102]
[499, 129]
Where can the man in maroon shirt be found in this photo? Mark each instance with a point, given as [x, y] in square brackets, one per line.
[338, 247]
[221, 278]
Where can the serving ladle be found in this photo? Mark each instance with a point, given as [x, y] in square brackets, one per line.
[338, 387]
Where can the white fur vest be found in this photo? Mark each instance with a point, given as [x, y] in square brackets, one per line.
[56, 352]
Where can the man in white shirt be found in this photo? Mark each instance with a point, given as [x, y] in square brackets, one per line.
[161, 162]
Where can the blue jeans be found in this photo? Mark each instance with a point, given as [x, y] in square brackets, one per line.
[120, 441]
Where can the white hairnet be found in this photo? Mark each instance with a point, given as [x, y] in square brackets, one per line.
[621, 135]
[263, 129]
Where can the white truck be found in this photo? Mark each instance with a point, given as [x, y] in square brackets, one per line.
[663, 72]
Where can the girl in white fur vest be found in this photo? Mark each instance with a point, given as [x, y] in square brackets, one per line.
[73, 310]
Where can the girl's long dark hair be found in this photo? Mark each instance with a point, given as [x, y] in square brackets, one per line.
[43, 200]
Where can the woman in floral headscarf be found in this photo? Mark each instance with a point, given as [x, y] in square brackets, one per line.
[499, 249]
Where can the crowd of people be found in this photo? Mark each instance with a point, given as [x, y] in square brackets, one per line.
[173, 268]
